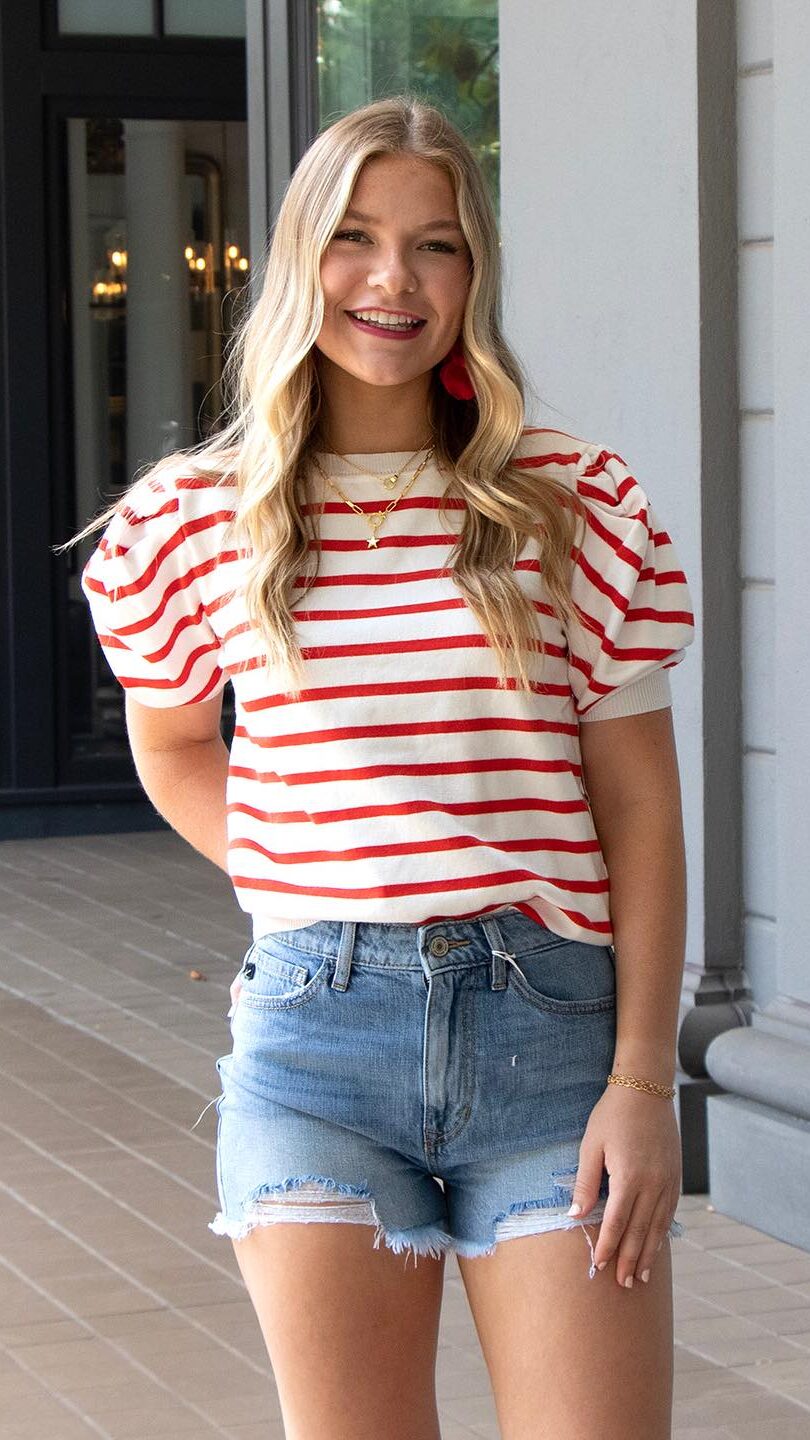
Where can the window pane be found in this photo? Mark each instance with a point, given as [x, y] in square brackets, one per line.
[204, 17]
[445, 51]
[105, 17]
[158, 227]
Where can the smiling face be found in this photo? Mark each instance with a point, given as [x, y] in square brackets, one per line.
[395, 275]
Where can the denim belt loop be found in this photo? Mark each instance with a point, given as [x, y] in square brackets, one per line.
[340, 979]
[499, 952]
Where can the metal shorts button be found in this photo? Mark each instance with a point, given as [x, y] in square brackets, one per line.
[439, 945]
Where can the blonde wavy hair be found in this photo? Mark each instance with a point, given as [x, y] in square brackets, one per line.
[270, 422]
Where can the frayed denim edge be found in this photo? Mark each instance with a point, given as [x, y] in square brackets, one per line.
[430, 1239]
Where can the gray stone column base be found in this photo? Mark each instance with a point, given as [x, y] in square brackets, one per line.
[759, 1164]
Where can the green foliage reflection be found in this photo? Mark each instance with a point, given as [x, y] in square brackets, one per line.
[371, 48]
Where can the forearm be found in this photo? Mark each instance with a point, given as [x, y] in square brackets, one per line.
[644, 852]
[186, 784]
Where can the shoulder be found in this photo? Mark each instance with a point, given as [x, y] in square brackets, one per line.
[174, 497]
[171, 519]
[595, 472]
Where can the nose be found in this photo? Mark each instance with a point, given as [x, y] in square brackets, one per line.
[392, 273]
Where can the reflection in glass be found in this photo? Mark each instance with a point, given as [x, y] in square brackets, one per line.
[445, 51]
[106, 17]
[158, 263]
[204, 17]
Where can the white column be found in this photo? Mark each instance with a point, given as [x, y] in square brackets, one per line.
[620, 241]
[599, 213]
[791, 296]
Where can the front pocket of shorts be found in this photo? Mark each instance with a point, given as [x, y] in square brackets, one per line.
[570, 979]
[279, 981]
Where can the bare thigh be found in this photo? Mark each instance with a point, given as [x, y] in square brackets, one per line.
[352, 1332]
[568, 1356]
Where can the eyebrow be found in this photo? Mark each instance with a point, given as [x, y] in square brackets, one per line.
[431, 224]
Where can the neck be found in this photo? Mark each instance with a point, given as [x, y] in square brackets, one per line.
[362, 419]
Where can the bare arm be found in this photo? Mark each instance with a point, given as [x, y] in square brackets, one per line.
[182, 763]
[631, 774]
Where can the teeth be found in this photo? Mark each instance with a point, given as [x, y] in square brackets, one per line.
[385, 322]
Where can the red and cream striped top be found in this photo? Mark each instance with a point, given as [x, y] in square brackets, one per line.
[403, 785]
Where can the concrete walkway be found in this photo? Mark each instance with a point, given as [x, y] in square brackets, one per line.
[121, 1315]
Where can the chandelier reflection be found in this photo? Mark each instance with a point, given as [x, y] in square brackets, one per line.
[109, 285]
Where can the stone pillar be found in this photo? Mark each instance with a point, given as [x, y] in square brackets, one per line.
[759, 1131]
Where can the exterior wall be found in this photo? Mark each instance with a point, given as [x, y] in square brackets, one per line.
[759, 1131]
[601, 242]
[656, 214]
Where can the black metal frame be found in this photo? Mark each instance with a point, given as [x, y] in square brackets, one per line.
[43, 78]
[53, 39]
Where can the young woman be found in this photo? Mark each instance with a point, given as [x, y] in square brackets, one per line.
[450, 1023]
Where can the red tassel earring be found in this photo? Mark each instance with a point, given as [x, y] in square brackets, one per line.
[454, 375]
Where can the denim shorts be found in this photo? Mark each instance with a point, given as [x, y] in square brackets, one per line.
[433, 1081]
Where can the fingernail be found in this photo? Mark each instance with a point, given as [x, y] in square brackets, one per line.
[601, 1265]
[628, 1284]
[645, 1275]
[575, 1210]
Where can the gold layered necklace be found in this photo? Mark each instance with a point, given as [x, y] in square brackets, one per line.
[389, 481]
[377, 519]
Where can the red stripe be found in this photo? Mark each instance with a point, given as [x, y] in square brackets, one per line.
[401, 577]
[201, 482]
[181, 582]
[406, 807]
[400, 687]
[601, 928]
[191, 527]
[617, 545]
[210, 685]
[371, 507]
[370, 612]
[482, 910]
[156, 656]
[152, 682]
[404, 577]
[551, 457]
[430, 887]
[133, 518]
[469, 726]
[416, 847]
[663, 617]
[375, 772]
[429, 645]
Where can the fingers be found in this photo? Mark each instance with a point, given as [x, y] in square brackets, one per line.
[588, 1181]
[634, 1223]
[659, 1225]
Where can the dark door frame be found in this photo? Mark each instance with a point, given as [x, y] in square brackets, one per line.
[44, 77]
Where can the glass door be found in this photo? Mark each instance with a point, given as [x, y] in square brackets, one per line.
[155, 269]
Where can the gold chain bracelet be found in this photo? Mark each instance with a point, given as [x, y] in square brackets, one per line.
[666, 1091]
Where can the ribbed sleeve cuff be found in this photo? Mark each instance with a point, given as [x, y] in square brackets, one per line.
[651, 692]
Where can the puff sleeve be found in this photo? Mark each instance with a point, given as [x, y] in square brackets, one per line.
[142, 586]
[628, 584]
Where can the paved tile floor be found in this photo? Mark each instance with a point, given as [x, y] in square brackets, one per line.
[121, 1315]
